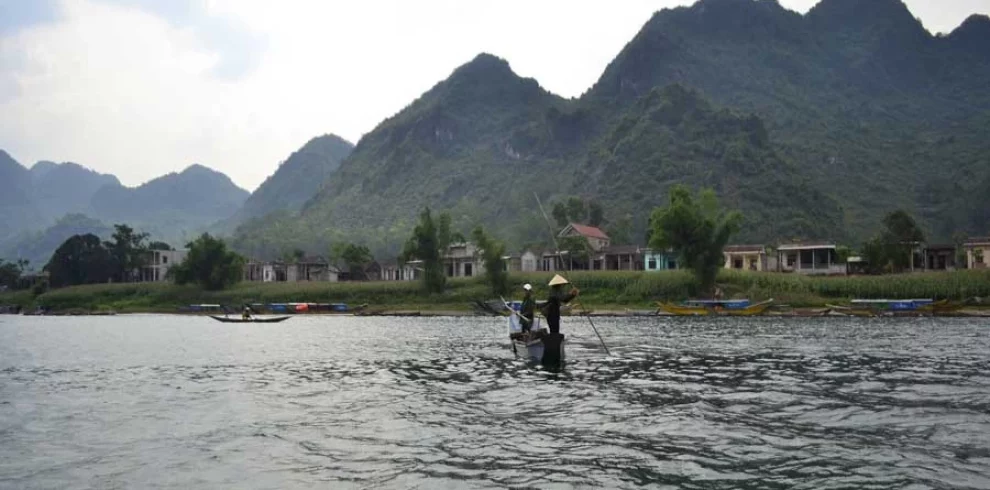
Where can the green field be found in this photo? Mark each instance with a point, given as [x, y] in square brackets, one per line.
[599, 290]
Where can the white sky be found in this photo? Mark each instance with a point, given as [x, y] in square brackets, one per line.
[139, 88]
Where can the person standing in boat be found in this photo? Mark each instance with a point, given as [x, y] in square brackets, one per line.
[528, 309]
[246, 314]
[557, 298]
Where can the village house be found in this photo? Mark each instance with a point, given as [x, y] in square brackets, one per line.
[307, 269]
[462, 260]
[158, 263]
[939, 257]
[663, 260]
[392, 271]
[977, 252]
[809, 258]
[620, 258]
[746, 257]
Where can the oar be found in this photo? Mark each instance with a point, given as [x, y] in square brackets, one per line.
[557, 247]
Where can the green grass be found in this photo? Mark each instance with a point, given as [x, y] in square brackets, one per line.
[598, 290]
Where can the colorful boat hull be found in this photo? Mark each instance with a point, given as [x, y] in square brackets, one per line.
[715, 308]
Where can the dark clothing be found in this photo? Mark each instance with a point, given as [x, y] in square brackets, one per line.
[527, 311]
[551, 310]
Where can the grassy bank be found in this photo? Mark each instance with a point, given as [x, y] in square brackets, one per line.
[600, 290]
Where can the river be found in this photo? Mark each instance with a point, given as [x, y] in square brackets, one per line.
[157, 401]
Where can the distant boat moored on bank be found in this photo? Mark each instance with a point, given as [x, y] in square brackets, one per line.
[715, 307]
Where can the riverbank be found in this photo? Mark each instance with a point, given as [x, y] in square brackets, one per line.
[631, 292]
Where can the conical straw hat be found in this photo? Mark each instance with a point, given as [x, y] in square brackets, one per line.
[558, 280]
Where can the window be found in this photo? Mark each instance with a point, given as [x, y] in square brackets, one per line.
[653, 264]
[791, 259]
[468, 269]
[164, 259]
[737, 263]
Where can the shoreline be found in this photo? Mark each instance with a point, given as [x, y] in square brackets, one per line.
[619, 294]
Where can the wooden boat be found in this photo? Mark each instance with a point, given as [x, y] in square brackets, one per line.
[225, 319]
[739, 307]
[537, 346]
[896, 307]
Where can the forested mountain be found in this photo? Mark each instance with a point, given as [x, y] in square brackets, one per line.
[813, 125]
[57, 189]
[16, 208]
[173, 207]
[49, 201]
[296, 180]
[869, 105]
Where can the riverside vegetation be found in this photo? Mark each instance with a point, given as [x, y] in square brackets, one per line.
[599, 291]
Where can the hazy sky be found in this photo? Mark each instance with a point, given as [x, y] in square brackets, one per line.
[139, 88]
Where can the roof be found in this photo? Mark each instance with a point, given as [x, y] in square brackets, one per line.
[586, 231]
[807, 246]
[977, 241]
[940, 246]
[744, 249]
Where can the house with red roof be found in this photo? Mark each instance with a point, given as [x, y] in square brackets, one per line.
[597, 239]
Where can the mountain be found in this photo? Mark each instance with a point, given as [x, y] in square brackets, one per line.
[297, 179]
[173, 207]
[481, 143]
[37, 247]
[17, 210]
[63, 188]
[871, 107]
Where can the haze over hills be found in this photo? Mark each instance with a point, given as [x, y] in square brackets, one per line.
[813, 125]
[45, 205]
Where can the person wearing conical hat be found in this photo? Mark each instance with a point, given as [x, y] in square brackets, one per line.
[551, 309]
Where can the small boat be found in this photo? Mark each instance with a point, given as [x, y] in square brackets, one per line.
[537, 346]
[896, 307]
[736, 307]
[224, 319]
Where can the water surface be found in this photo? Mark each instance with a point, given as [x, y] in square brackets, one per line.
[318, 402]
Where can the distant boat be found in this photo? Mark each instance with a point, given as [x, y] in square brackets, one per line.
[224, 319]
[732, 307]
[896, 307]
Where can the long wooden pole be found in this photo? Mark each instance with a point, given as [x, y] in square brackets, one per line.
[553, 236]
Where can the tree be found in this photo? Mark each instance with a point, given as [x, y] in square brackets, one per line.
[621, 232]
[10, 273]
[82, 259]
[209, 264]
[492, 255]
[577, 248]
[429, 239]
[162, 246]
[127, 250]
[892, 250]
[559, 213]
[357, 258]
[697, 229]
[901, 234]
[596, 214]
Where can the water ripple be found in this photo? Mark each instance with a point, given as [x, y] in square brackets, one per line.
[368, 403]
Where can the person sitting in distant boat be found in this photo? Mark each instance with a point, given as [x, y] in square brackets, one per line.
[528, 309]
[246, 314]
[557, 298]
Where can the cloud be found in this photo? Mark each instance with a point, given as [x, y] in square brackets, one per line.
[238, 48]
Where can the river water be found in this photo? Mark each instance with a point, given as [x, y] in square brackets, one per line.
[144, 401]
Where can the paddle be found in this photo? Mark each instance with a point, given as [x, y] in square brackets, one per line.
[553, 236]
